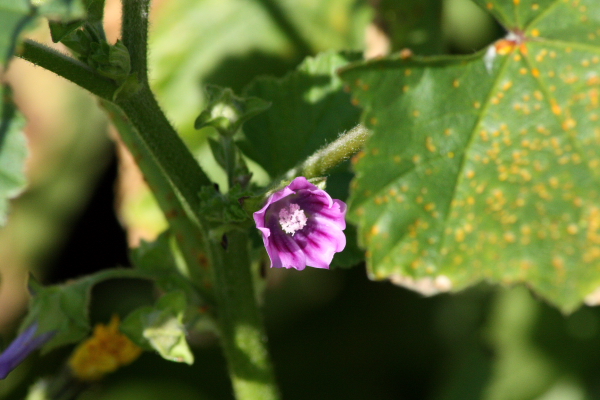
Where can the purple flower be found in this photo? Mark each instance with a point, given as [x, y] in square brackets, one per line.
[20, 348]
[302, 225]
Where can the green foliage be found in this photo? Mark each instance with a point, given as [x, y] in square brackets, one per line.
[486, 167]
[64, 308]
[13, 152]
[17, 15]
[156, 259]
[224, 208]
[309, 109]
[161, 327]
[226, 112]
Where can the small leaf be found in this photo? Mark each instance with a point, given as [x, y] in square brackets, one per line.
[156, 260]
[13, 153]
[161, 328]
[309, 109]
[64, 308]
[487, 167]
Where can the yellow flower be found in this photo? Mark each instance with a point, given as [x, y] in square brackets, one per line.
[104, 352]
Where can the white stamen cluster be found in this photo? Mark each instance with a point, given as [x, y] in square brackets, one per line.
[292, 219]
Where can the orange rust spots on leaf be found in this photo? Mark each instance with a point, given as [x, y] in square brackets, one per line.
[355, 101]
[416, 113]
[347, 88]
[517, 57]
[523, 71]
[517, 2]
[375, 151]
[357, 157]
[477, 104]
[535, 32]
[373, 121]
[429, 207]
[535, 6]
[509, 237]
[535, 72]
[523, 48]
[405, 88]
[397, 159]
[504, 47]
[456, 83]
[569, 123]
[556, 110]
[407, 72]
[489, 6]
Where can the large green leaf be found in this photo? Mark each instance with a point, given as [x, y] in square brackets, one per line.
[309, 108]
[16, 15]
[487, 167]
[13, 152]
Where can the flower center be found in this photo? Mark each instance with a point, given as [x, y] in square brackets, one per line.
[292, 219]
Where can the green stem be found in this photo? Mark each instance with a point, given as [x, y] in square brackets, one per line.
[241, 328]
[331, 155]
[135, 35]
[187, 234]
[165, 146]
[67, 67]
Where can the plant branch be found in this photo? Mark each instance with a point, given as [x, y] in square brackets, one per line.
[331, 155]
[68, 68]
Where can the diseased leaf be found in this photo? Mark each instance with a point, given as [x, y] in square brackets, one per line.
[309, 109]
[487, 167]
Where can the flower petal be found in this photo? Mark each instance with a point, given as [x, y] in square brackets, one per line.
[284, 252]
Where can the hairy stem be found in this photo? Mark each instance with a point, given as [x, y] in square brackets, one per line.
[331, 155]
[67, 67]
[242, 333]
[135, 35]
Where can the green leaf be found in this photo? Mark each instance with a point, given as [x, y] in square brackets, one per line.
[13, 152]
[309, 109]
[64, 308]
[161, 328]
[17, 15]
[156, 259]
[487, 167]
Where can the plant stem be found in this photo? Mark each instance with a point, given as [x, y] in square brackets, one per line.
[187, 234]
[242, 333]
[331, 155]
[67, 67]
[135, 35]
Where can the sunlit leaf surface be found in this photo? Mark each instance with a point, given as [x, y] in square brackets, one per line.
[16, 15]
[487, 167]
[13, 152]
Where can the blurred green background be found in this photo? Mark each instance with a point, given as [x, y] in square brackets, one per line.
[333, 334]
